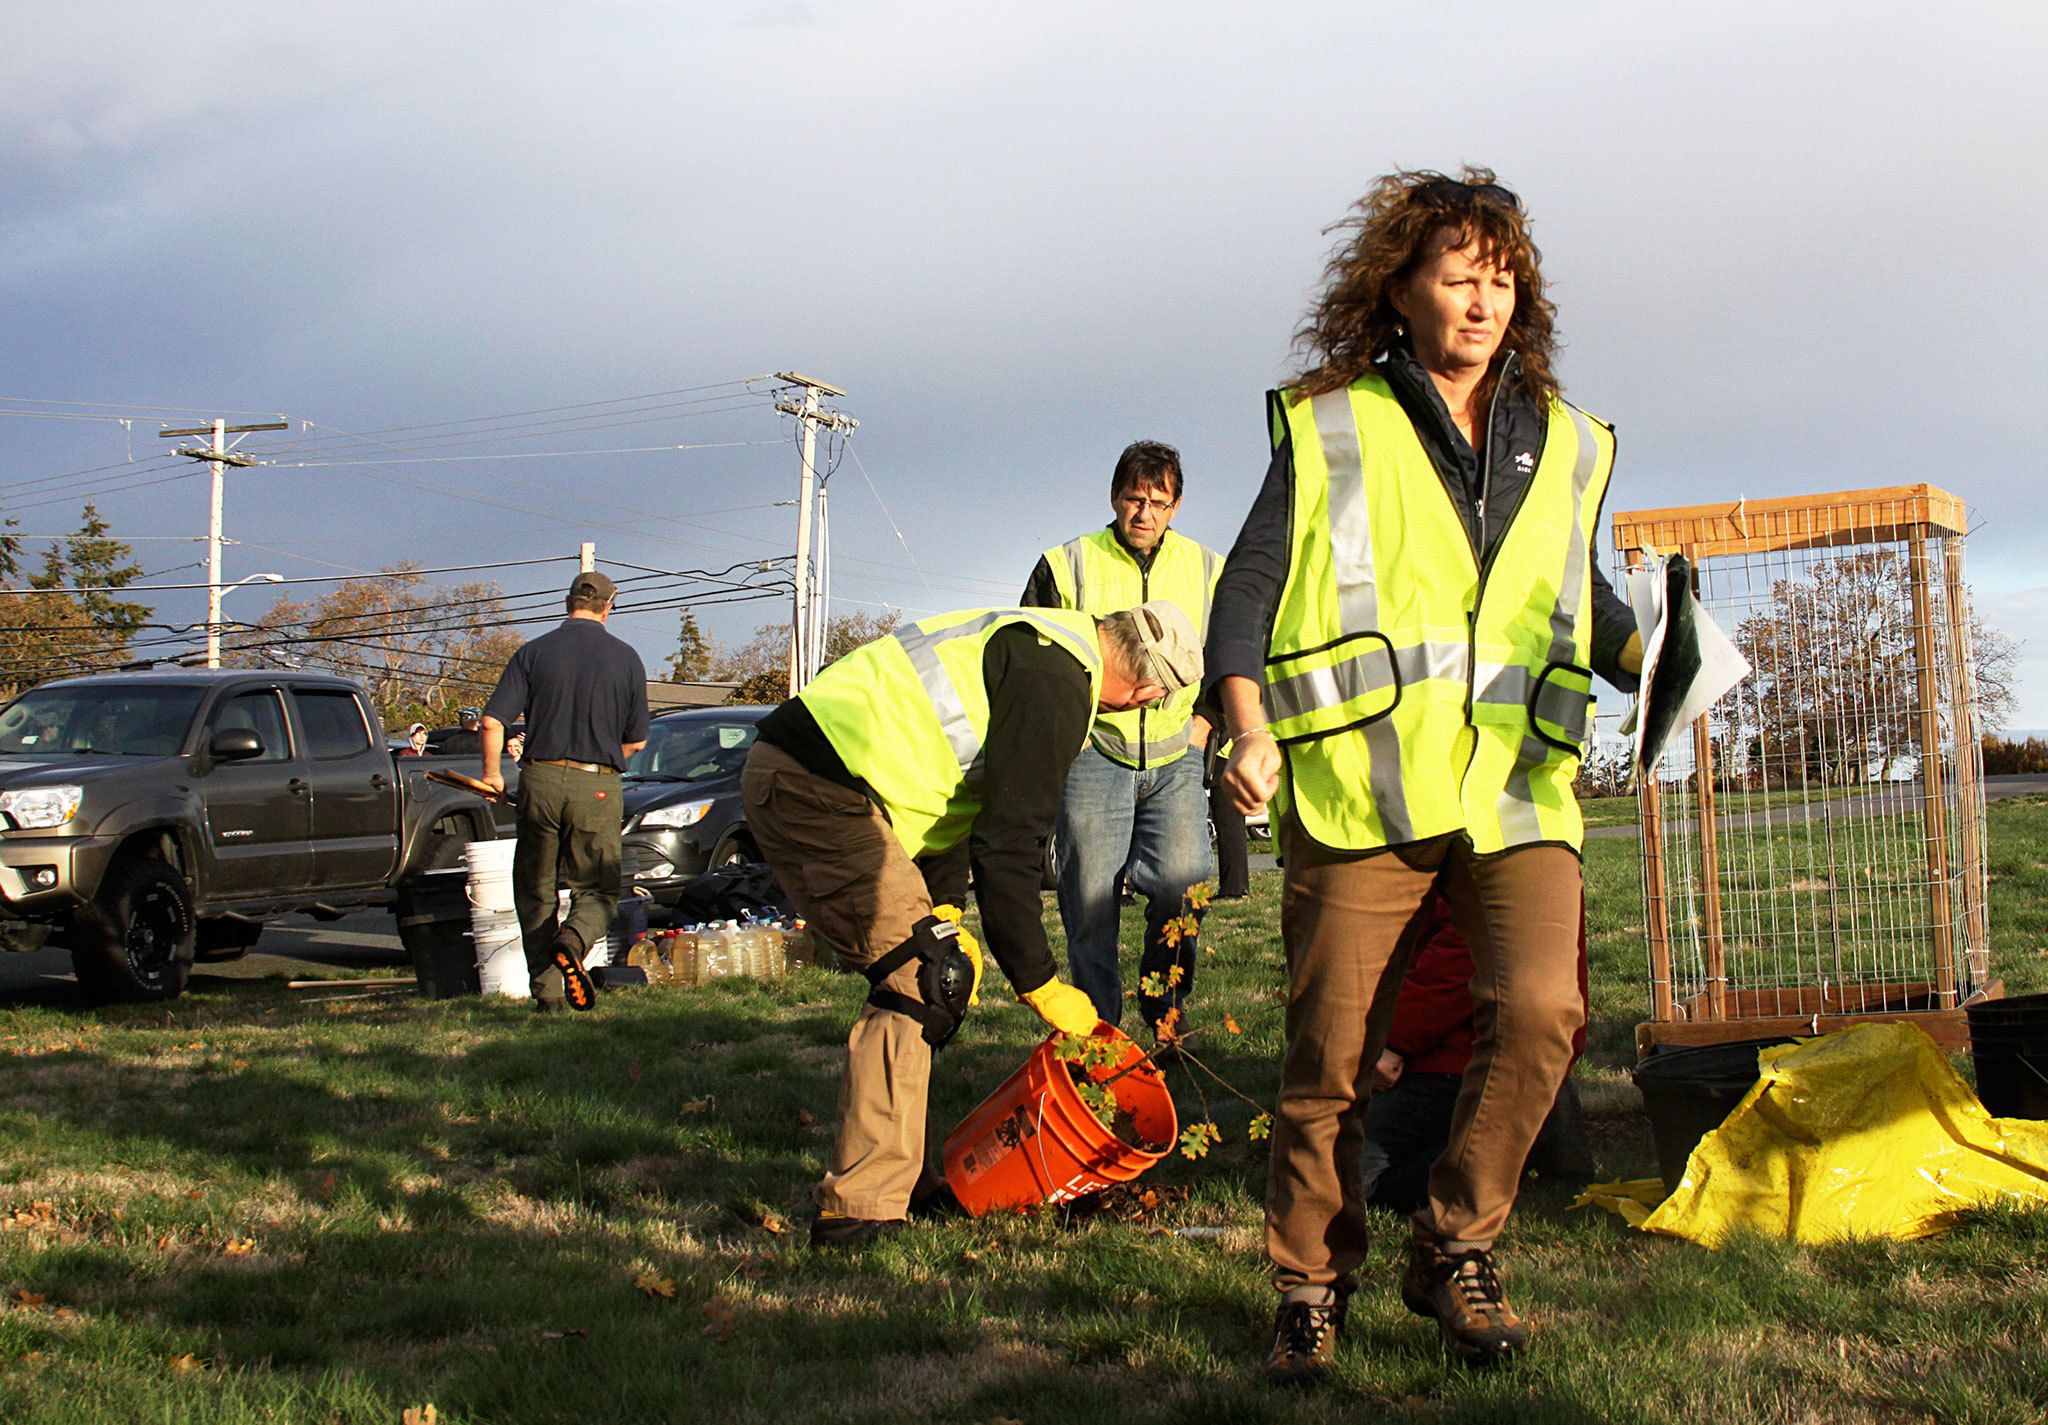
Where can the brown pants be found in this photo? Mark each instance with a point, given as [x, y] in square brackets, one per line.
[833, 851]
[1349, 923]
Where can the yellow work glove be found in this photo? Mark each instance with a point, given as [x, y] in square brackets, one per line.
[967, 943]
[1063, 1007]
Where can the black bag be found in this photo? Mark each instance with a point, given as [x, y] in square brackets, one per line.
[728, 893]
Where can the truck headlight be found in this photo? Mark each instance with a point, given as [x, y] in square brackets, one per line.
[679, 815]
[42, 806]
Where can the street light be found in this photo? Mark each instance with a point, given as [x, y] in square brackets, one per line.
[213, 622]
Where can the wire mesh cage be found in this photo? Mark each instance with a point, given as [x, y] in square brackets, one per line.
[1813, 856]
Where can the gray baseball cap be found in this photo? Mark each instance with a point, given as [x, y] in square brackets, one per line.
[1172, 647]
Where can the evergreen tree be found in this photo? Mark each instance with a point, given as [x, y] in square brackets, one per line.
[691, 662]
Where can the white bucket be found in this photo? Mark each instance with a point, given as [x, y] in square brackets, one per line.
[490, 873]
[500, 953]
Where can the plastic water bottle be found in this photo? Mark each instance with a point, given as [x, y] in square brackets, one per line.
[715, 951]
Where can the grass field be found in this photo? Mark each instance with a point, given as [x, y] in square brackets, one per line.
[246, 1207]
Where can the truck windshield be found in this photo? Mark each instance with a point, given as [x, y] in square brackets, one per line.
[119, 719]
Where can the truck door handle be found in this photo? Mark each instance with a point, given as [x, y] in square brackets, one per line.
[298, 787]
[379, 781]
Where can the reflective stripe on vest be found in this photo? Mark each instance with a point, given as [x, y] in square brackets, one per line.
[1096, 574]
[1370, 687]
[954, 720]
[908, 714]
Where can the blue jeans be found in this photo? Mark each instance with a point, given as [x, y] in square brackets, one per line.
[1151, 827]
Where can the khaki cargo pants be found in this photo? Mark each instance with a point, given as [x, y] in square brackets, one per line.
[1350, 923]
[834, 853]
[568, 837]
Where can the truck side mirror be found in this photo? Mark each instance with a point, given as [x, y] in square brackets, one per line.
[236, 744]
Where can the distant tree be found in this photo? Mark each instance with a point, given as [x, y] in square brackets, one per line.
[1995, 657]
[1833, 691]
[422, 652]
[2015, 759]
[695, 652]
[48, 632]
[761, 665]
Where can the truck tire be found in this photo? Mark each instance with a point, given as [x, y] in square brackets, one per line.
[137, 941]
[222, 940]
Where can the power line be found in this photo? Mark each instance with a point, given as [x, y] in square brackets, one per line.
[512, 455]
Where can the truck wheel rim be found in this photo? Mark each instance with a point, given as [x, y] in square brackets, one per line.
[154, 928]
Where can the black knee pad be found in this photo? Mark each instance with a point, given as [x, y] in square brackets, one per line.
[945, 979]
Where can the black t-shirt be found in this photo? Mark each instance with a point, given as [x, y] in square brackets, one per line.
[1039, 714]
[581, 691]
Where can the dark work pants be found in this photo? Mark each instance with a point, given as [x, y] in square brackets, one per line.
[568, 837]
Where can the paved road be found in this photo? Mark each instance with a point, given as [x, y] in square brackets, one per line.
[296, 947]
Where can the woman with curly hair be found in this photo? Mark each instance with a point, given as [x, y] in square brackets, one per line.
[1403, 646]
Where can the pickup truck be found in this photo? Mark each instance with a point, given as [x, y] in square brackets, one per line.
[149, 819]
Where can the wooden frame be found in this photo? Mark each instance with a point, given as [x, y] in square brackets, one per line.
[1723, 1011]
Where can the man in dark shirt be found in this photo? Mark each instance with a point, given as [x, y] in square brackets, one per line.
[960, 727]
[583, 694]
[467, 739]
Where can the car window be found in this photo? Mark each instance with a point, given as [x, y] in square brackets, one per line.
[703, 750]
[334, 723]
[263, 714]
[121, 719]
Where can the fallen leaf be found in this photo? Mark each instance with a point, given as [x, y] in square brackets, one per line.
[30, 1298]
[420, 1415]
[324, 1187]
[238, 1247]
[805, 1118]
[574, 1333]
[655, 1285]
[699, 1105]
[44, 1210]
[196, 1044]
[165, 1242]
[64, 1313]
[719, 1313]
[633, 1072]
[774, 1222]
[195, 1193]
[187, 1362]
[969, 1256]
[1230, 1024]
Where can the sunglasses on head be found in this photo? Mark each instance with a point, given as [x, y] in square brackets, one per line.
[1449, 193]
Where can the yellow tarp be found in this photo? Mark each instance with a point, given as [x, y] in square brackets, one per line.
[1865, 1133]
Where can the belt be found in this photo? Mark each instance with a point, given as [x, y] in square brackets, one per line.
[573, 765]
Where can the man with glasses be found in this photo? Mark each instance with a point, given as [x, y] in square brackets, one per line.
[1134, 808]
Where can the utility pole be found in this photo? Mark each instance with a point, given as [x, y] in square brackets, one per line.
[218, 457]
[803, 637]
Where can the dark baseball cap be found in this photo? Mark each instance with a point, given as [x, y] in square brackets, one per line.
[593, 585]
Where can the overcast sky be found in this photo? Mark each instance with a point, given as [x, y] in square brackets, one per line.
[1794, 248]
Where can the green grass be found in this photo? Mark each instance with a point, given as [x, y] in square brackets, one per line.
[337, 1211]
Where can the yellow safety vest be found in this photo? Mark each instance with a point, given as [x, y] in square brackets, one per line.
[1413, 691]
[908, 714]
[1095, 574]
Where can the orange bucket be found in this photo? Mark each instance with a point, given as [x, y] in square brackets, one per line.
[1033, 1140]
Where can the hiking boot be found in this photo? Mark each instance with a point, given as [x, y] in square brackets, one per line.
[1305, 1341]
[1462, 1292]
[577, 988]
[832, 1230]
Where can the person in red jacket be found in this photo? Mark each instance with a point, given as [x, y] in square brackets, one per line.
[1415, 1083]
